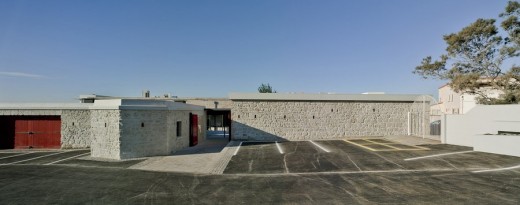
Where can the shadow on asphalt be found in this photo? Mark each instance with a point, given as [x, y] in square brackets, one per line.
[210, 145]
[94, 163]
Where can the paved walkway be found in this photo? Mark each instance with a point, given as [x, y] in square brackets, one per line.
[209, 157]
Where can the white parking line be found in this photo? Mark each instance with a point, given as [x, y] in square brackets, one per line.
[236, 151]
[317, 145]
[279, 147]
[497, 170]
[16, 155]
[35, 158]
[346, 172]
[61, 160]
[437, 155]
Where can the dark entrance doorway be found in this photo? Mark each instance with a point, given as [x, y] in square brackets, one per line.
[6, 132]
[218, 124]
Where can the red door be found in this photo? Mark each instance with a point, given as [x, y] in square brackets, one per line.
[21, 134]
[38, 132]
[194, 130]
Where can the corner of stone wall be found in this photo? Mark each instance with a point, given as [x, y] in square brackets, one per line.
[106, 134]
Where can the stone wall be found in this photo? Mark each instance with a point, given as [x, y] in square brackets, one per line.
[75, 129]
[105, 133]
[306, 120]
[178, 143]
[210, 103]
[152, 133]
[143, 133]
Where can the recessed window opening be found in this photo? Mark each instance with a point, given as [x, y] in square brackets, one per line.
[331, 110]
[255, 116]
[239, 116]
[179, 128]
[284, 117]
[105, 124]
[72, 124]
[142, 124]
[313, 117]
[373, 109]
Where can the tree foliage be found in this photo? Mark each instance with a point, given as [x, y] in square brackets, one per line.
[266, 88]
[473, 62]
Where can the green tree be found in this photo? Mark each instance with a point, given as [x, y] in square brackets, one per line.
[266, 88]
[473, 62]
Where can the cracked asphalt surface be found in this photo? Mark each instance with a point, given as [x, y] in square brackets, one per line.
[260, 174]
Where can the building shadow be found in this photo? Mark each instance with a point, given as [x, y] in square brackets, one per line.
[217, 141]
[204, 147]
[243, 132]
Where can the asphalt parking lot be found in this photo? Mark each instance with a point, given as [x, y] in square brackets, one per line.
[58, 157]
[317, 172]
[362, 155]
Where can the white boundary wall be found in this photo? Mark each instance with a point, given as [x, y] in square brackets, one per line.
[498, 144]
[462, 129]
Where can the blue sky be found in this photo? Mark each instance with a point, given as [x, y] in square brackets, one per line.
[53, 51]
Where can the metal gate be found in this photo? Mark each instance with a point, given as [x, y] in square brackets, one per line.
[424, 118]
[416, 124]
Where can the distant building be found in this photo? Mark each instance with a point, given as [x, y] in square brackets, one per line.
[451, 102]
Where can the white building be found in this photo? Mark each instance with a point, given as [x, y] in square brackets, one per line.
[451, 102]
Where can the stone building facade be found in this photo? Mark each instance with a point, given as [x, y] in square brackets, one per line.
[118, 128]
[318, 116]
[75, 120]
[125, 128]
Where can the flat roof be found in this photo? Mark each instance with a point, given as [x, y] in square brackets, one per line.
[43, 106]
[117, 104]
[325, 97]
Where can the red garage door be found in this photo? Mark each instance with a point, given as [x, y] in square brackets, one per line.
[37, 132]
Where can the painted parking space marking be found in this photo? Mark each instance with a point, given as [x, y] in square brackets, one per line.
[384, 144]
[390, 143]
[370, 144]
[359, 145]
[319, 146]
[16, 155]
[279, 147]
[497, 170]
[351, 172]
[68, 158]
[437, 155]
[25, 160]
[366, 147]
[238, 148]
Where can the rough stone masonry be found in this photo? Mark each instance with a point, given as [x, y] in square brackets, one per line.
[318, 116]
